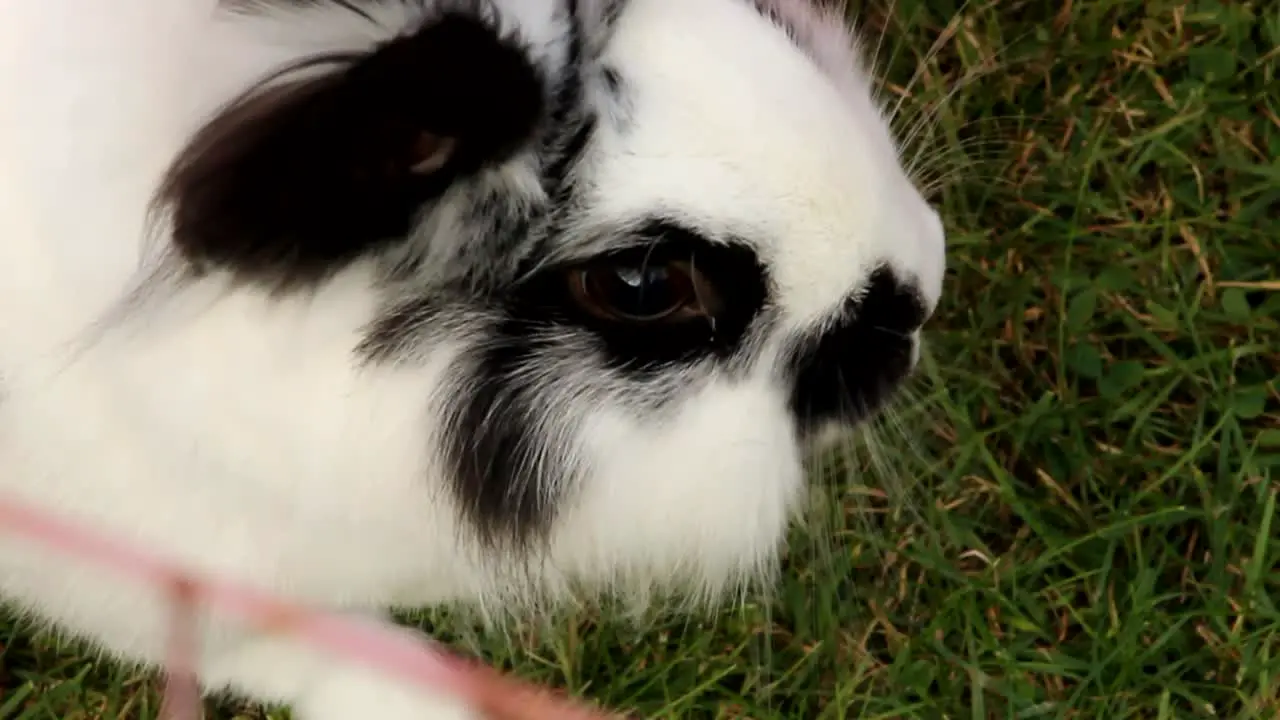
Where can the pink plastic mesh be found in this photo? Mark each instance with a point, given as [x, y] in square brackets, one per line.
[417, 662]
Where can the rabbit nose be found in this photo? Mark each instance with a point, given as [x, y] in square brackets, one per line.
[847, 369]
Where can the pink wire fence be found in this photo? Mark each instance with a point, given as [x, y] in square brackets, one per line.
[417, 662]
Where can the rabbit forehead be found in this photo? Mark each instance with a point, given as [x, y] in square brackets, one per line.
[733, 126]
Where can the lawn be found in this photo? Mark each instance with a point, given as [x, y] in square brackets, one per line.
[1072, 514]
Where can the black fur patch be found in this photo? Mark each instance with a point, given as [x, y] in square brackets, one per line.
[315, 167]
[848, 371]
[506, 441]
[734, 270]
[506, 450]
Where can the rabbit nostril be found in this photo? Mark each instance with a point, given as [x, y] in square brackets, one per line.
[847, 371]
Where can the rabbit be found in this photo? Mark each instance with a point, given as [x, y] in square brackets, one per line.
[378, 304]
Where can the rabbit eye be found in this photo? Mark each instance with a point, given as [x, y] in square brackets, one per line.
[642, 292]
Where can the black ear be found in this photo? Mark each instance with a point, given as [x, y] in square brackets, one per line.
[302, 175]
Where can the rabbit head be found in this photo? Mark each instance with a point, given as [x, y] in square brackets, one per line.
[627, 259]
[668, 242]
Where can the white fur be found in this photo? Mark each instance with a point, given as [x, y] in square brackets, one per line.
[232, 430]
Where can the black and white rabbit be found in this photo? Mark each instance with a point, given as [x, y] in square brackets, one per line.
[376, 303]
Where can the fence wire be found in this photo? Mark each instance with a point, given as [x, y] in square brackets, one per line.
[422, 663]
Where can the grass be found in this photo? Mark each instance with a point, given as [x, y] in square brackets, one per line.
[1080, 523]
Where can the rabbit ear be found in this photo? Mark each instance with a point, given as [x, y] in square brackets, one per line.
[337, 155]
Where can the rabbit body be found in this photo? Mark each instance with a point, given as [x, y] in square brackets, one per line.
[203, 352]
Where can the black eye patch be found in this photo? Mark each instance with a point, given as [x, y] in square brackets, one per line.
[505, 467]
[672, 297]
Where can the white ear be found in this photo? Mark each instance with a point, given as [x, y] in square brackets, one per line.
[822, 29]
